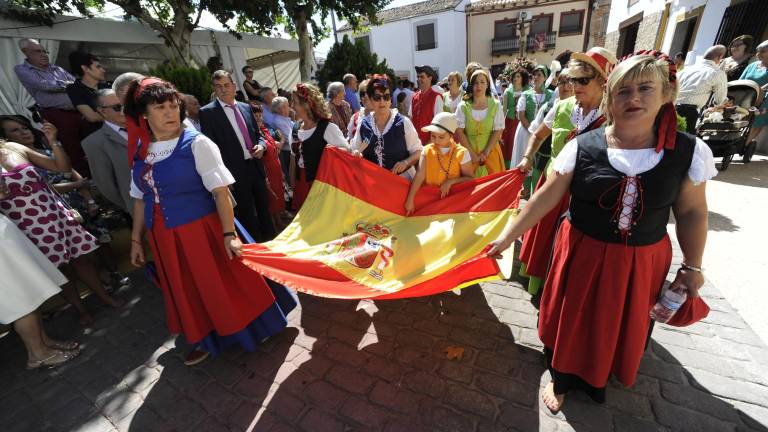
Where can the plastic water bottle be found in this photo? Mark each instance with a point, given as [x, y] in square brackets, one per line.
[668, 304]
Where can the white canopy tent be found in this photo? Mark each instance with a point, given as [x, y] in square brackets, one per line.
[131, 46]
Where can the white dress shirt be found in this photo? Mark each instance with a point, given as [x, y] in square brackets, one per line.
[123, 132]
[233, 121]
[698, 81]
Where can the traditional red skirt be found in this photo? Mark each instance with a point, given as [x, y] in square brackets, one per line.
[508, 136]
[203, 289]
[300, 189]
[538, 241]
[275, 187]
[595, 307]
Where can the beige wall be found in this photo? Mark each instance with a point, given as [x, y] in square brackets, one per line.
[480, 29]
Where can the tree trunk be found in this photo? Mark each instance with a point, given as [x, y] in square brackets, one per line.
[300, 20]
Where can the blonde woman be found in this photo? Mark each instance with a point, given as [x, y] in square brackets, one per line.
[613, 253]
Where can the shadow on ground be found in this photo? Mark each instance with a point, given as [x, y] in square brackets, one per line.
[353, 366]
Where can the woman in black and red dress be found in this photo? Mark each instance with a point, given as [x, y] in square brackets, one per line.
[315, 132]
[612, 254]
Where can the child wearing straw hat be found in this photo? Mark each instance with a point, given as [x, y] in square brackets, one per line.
[443, 162]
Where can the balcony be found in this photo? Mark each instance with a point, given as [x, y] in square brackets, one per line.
[541, 42]
[505, 46]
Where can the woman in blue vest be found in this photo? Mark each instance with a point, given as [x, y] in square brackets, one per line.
[182, 201]
[386, 137]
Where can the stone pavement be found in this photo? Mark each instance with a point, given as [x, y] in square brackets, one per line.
[380, 366]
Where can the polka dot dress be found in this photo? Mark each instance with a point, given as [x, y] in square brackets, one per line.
[43, 218]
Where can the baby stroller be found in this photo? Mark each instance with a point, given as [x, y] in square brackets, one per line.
[725, 129]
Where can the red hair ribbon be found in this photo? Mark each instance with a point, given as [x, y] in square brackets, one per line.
[668, 121]
[138, 131]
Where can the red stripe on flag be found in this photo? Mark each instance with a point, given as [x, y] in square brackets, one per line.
[314, 277]
[379, 187]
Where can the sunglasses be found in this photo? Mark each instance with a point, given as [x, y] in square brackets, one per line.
[580, 80]
[381, 97]
[116, 107]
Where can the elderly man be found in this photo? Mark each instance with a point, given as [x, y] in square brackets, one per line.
[193, 111]
[700, 81]
[107, 151]
[121, 83]
[350, 92]
[232, 127]
[427, 102]
[47, 83]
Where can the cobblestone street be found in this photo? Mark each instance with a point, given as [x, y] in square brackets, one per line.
[383, 366]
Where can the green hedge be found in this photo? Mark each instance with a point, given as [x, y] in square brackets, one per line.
[187, 79]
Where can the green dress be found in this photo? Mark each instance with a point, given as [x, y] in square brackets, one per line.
[479, 132]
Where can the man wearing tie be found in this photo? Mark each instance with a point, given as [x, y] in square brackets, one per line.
[230, 124]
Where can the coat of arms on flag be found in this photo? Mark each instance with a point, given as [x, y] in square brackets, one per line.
[351, 239]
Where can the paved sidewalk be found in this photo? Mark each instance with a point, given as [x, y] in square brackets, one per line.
[365, 366]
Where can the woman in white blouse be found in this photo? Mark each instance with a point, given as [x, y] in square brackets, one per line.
[480, 118]
[182, 200]
[613, 253]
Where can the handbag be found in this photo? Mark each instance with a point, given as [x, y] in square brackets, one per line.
[73, 212]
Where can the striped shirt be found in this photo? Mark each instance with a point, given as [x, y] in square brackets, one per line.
[47, 86]
[698, 81]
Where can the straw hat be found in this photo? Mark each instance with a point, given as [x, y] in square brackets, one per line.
[599, 58]
[442, 122]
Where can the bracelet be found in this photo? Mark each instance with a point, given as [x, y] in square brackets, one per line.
[684, 266]
[135, 241]
[230, 234]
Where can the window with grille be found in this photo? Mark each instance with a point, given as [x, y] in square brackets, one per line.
[505, 29]
[543, 24]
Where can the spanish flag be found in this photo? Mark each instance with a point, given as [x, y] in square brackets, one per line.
[351, 238]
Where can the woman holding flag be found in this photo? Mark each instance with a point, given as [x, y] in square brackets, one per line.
[181, 195]
[570, 117]
[612, 253]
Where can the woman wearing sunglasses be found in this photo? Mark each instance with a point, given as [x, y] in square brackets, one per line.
[570, 117]
[386, 137]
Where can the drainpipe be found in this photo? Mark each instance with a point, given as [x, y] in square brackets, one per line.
[466, 40]
[588, 24]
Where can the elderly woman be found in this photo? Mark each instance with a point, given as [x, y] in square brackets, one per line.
[758, 72]
[281, 120]
[386, 137]
[366, 106]
[45, 219]
[315, 132]
[613, 252]
[741, 52]
[29, 279]
[509, 99]
[528, 105]
[587, 73]
[480, 120]
[182, 200]
[341, 112]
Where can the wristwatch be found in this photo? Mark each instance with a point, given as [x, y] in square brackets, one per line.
[230, 234]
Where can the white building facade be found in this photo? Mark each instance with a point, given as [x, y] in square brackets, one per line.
[430, 33]
[687, 26]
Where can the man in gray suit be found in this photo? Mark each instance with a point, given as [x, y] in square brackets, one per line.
[107, 151]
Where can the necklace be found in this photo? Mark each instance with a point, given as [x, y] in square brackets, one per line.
[450, 160]
[538, 98]
[378, 149]
[582, 122]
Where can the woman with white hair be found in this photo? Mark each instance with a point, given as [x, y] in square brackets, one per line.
[758, 72]
[341, 112]
[612, 252]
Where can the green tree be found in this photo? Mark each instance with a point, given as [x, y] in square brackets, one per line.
[175, 20]
[188, 79]
[351, 57]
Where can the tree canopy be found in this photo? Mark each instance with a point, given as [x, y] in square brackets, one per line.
[351, 57]
[175, 19]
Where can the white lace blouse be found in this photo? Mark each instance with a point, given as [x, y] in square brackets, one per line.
[208, 164]
[637, 161]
